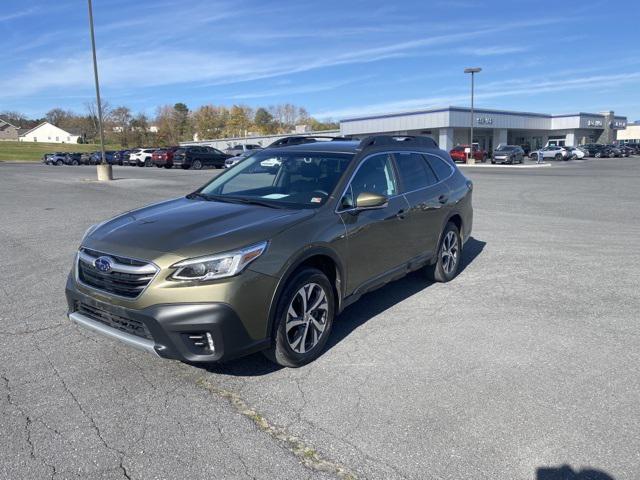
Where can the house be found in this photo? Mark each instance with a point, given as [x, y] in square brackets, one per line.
[8, 131]
[48, 133]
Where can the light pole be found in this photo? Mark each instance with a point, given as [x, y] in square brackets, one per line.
[105, 172]
[472, 71]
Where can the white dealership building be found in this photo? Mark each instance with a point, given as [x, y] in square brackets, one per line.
[450, 126]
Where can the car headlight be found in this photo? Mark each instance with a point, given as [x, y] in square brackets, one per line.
[217, 266]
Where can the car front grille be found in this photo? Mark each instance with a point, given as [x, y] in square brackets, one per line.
[127, 325]
[126, 277]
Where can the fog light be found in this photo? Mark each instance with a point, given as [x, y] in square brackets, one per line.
[210, 342]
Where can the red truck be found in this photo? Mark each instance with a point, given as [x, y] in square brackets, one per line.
[458, 154]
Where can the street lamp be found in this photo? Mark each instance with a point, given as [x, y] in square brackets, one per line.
[472, 71]
[105, 172]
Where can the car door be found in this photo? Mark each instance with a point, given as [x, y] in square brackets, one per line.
[428, 200]
[375, 237]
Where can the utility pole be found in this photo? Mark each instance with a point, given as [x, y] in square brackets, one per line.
[105, 171]
[472, 71]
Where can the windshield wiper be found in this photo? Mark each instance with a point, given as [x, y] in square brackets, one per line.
[250, 201]
[198, 195]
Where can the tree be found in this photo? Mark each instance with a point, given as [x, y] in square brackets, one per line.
[58, 116]
[181, 122]
[14, 118]
[140, 130]
[120, 120]
[209, 121]
[263, 121]
[239, 121]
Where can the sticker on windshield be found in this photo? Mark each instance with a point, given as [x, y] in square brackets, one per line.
[275, 196]
[316, 200]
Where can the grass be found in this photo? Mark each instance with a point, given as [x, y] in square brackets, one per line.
[33, 152]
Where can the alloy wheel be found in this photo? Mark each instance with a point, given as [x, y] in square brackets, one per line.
[307, 318]
[449, 252]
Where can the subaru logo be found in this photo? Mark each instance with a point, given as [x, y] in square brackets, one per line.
[103, 264]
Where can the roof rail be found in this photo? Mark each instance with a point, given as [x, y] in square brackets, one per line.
[299, 139]
[397, 140]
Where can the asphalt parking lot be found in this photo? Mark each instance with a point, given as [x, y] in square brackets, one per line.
[524, 367]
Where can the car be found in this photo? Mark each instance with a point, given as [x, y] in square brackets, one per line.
[46, 157]
[634, 146]
[626, 150]
[240, 149]
[73, 159]
[597, 150]
[257, 261]
[616, 151]
[575, 153]
[121, 157]
[459, 154]
[555, 152]
[298, 139]
[197, 157]
[96, 157]
[508, 154]
[271, 164]
[231, 161]
[57, 158]
[163, 157]
[141, 157]
[526, 148]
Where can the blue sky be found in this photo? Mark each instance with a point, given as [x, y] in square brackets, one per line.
[337, 58]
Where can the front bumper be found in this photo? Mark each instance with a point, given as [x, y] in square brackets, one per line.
[166, 330]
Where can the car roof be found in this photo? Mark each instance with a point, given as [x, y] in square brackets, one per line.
[337, 146]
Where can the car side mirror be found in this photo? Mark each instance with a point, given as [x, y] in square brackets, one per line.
[370, 200]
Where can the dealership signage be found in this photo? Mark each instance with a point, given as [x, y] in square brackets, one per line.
[594, 123]
[619, 124]
[484, 120]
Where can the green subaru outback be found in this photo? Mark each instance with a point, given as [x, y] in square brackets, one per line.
[268, 253]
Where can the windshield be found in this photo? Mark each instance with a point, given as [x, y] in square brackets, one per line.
[285, 179]
[504, 148]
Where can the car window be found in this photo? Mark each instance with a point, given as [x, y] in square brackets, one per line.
[215, 150]
[375, 175]
[442, 168]
[414, 171]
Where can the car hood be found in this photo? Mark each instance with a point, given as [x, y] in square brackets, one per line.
[190, 228]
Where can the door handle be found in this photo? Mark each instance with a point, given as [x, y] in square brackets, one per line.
[443, 199]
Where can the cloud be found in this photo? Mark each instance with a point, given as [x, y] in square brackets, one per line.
[306, 88]
[11, 16]
[527, 87]
[491, 51]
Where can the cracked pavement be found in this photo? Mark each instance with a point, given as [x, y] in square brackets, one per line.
[527, 361]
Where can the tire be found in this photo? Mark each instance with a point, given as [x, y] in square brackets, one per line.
[558, 156]
[598, 155]
[158, 165]
[59, 162]
[443, 271]
[75, 163]
[493, 162]
[166, 165]
[534, 157]
[196, 165]
[484, 159]
[147, 163]
[304, 341]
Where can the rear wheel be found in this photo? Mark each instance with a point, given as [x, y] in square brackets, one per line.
[59, 162]
[304, 317]
[534, 157]
[449, 256]
[147, 162]
[196, 165]
[74, 162]
[167, 165]
[558, 156]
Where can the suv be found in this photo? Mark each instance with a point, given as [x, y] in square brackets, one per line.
[58, 158]
[240, 149]
[264, 261]
[458, 154]
[163, 157]
[197, 157]
[73, 159]
[141, 157]
[552, 151]
[597, 150]
[508, 154]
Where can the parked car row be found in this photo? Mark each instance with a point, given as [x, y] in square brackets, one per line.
[195, 157]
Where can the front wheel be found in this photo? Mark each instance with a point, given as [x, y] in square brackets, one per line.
[147, 162]
[558, 157]
[196, 165]
[304, 317]
[449, 256]
[59, 162]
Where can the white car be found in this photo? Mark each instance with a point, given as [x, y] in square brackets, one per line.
[141, 157]
[271, 163]
[575, 153]
[553, 152]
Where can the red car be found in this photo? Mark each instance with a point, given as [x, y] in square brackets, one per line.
[458, 154]
[163, 157]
